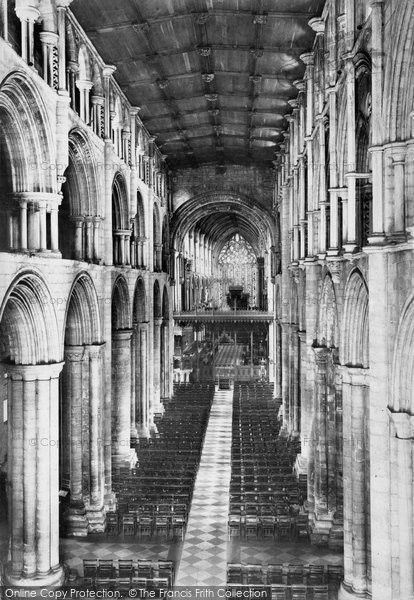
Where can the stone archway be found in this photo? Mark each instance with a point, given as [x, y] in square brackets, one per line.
[121, 376]
[355, 403]
[32, 362]
[82, 465]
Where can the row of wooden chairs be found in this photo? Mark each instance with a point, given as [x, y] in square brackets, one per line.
[284, 574]
[265, 497]
[167, 468]
[128, 569]
[280, 592]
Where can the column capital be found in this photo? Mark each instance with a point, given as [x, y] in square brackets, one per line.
[27, 12]
[321, 357]
[36, 197]
[34, 372]
[403, 423]
[108, 70]
[97, 100]
[121, 335]
[307, 58]
[355, 376]
[158, 321]
[134, 110]
[74, 353]
[63, 3]
[95, 350]
[318, 25]
[49, 37]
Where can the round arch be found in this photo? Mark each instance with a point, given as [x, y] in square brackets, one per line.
[403, 362]
[120, 307]
[28, 326]
[328, 334]
[26, 134]
[140, 303]
[399, 76]
[354, 350]
[120, 212]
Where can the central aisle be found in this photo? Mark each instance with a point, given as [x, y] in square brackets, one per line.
[204, 556]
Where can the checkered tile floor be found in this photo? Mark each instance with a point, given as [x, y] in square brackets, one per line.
[204, 556]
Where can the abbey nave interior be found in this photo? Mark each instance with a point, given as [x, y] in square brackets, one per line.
[207, 299]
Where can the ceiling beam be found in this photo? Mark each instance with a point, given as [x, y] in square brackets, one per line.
[211, 13]
[146, 57]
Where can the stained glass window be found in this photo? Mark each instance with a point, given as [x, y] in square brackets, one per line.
[238, 265]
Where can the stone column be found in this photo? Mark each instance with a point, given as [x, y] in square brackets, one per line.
[156, 403]
[121, 399]
[54, 229]
[301, 465]
[98, 125]
[23, 225]
[33, 454]
[134, 391]
[28, 15]
[75, 521]
[50, 58]
[142, 366]
[293, 381]
[285, 376]
[5, 20]
[89, 238]
[61, 6]
[402, 431]
[33, 228]
[322, 513]
[78, 253]
[399, 193]
[96, 241]
[351, 156]
[356, 497]
[42, 227]
[377, 122]
[95, 509]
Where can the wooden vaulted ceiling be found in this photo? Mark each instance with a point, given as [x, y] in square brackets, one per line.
[213, 78]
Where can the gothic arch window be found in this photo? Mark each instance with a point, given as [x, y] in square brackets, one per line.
[237, 263]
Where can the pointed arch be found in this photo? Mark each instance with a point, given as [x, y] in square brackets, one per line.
[140, 303]
[328, 333]
[403, 363]
[120, 307]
